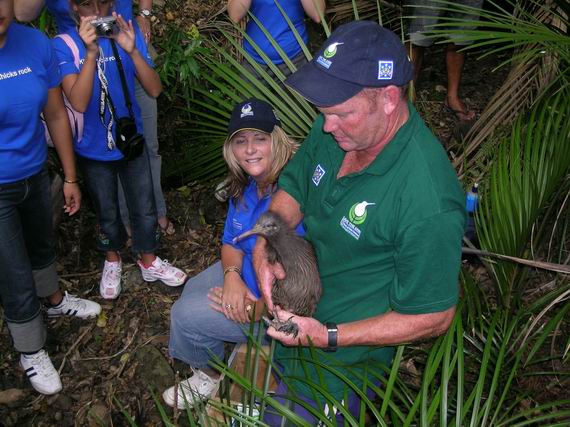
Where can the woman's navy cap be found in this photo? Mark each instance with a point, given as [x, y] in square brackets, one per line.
[357, 55]
[252, 114]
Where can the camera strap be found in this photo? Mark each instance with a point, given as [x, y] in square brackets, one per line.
[105, 99]
[123, 78]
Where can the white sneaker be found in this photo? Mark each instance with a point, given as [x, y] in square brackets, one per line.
[41, 373]
[162, 270]
[199, 386]
[110, 285]
[70, 305]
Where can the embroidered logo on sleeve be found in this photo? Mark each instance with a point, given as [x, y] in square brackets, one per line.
[318, 175]
[237, 225]
[385, 70]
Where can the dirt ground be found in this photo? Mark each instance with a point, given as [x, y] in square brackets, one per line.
[121, 359]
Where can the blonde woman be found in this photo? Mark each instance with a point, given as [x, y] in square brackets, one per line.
[216, 304]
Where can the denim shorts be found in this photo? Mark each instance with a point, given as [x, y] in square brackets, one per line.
[427, 13]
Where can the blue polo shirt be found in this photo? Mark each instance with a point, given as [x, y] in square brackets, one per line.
[267, 12]
[93, 144]
[242, 216]
[28, 69]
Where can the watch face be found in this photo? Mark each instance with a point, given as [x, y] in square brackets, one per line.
[145, 12]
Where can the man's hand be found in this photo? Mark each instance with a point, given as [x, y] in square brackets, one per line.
[308, 328]
[266, 273]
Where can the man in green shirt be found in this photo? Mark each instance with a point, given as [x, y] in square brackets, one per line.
[382, 207]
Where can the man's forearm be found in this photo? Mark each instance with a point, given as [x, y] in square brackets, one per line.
[394, 328]
[287, 207]
[27, 10]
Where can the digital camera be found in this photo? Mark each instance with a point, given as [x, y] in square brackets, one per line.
[105, 26]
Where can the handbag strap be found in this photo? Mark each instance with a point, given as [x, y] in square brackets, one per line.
[123, 78]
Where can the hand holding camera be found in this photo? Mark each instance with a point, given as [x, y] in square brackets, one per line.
[88, 34]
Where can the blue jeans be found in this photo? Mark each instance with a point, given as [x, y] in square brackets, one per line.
[197, 332]
[101, 179]
[27, 257]
[149, 117]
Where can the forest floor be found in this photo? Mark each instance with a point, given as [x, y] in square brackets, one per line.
[121, 359]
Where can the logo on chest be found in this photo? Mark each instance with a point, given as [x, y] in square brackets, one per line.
[318, 175]
[236, 224]
[356, 216]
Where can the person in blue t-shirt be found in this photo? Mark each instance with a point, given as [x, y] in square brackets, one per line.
[217, 303]
[267, 12]
[95, 88]
[28, 10]
[29, 84]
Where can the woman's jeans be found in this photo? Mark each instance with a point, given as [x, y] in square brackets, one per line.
[27, 258]
[197, 331]
[149, 116]
[101, 179]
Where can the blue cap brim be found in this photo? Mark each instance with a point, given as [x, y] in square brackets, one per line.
[320, 88]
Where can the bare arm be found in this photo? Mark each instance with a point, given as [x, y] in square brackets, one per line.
[78, 88]
[287, 207]
[148, 78]
[233, 298]
[384, 330]
[237, 9]
[57, 121]
[314, 9]
[144, 22]
[27, 10]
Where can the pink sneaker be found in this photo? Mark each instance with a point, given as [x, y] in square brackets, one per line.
[165, 272]
[110, 286]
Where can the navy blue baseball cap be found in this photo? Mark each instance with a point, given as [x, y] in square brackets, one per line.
[252, 114]
[357, 55]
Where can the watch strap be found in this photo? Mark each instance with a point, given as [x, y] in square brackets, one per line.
[332, 330]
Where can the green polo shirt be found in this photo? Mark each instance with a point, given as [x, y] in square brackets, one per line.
[386, 238]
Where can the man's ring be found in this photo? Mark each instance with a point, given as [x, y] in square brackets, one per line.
[248, 307]
[229, 306]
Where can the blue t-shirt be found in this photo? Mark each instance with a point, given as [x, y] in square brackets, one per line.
[241, 219]
[28, 69]
[267, 12]
[93, 143]
[65, 21]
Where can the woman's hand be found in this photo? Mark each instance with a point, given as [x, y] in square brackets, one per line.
[88, 34]
[126, 36]
[233, 299]
[72, 195]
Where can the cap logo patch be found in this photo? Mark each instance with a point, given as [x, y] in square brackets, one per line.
[330, 51]
[385, 70]
[246, 110]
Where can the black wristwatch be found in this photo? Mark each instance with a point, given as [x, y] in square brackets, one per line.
[145, 13]
[332, 330]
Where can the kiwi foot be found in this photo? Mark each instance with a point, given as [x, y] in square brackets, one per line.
[288, 326]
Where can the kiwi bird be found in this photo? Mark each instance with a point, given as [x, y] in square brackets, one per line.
[300, 290]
